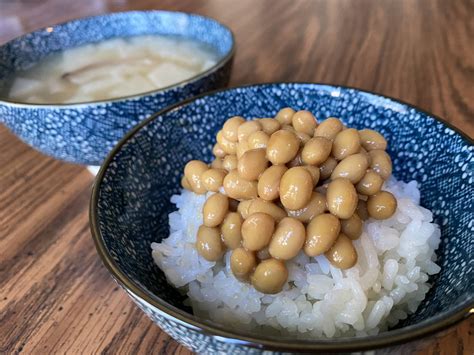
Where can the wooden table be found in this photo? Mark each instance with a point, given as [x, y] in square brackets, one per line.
[55, 294]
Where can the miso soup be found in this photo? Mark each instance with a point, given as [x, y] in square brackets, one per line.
[111, 69]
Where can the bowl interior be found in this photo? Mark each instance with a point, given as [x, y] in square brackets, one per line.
[139, 178]
[22, 52]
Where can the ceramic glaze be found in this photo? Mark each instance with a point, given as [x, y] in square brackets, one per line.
[131, 204]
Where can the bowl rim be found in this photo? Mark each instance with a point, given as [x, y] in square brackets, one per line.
[385, 339]
[223, 60]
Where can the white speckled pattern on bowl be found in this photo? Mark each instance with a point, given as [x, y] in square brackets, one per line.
[130, 204]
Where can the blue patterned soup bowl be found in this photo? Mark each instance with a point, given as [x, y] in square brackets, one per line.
[85, 132]
[131, 202]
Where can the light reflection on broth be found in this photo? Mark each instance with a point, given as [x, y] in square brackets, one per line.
[111, 69]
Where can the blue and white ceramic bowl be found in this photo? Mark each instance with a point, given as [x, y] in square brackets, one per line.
[130, 204]
[84, 133]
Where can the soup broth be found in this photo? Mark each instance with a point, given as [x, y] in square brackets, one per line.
[110, 69]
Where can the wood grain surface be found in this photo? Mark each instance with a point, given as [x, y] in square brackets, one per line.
[56, 297]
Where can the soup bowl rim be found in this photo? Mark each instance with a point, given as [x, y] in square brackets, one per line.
[223, 60]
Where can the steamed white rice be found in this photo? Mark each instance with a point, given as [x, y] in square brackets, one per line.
[389, 281]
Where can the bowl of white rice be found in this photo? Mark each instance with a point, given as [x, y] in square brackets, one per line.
[413, 276]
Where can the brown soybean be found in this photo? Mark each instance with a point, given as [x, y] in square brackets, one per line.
[371, 140]
[296, 161]
[263, 254]
[213, 179]
[269, 276]
[242, 147]
[381, 163]
[352, 227]
[316, 151]
[296, 186]
[288, 239]
[209, 244]
[352, 167]
[342, 254]
[382, 205]
[328, 128]
[269, 182]
[229, 130]
[257, 231]
[217, 163]
[185, 184]
[327, 168]
[341, 198]
[289, 129]
[269, 125]
[285, 115]
[243, 208]
[282, 147]
[246, 129]
[314, 171]
[242, 263]
[321, 233]
[233, 204]
[239, 188]
[218, 151]
[361, 210]
[193, 171]
[215, 209]
[304, 121]
[230, 230]
[370, 184]
[260, 205]
[315, 206]
[346, 143]
[252, 164]
[303, 137]
[227, 146]
[257, 140]
[230, 162]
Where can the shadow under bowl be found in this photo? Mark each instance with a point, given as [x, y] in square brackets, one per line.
[84, 133]
[131, 202]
